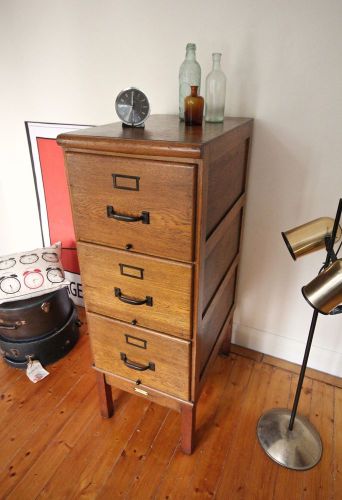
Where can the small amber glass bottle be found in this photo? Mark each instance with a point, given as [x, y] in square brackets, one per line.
[193, 107]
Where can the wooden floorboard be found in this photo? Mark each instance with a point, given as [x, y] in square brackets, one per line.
[262, 472]
[54, 443]
[337, 443]
[318, 482]
[285, 477]
[239, 461]
[181, 468]
[219, 436]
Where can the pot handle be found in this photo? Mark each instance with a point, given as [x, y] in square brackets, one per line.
[10, 327]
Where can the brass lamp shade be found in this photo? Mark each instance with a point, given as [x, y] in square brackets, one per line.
[324, 293]
[309, 237]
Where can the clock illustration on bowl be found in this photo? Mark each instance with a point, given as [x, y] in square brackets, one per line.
[10, 284]
[29, 258]
[55, 275]
[50, 256]
[33, 279]
[7, 263]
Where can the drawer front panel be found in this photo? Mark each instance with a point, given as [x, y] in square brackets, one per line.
[153, 395]
[153, 292]
[152, 359]
[119, 201]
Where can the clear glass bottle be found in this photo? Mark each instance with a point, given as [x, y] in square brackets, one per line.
[189, 74]
[215, 92]
[193, 107]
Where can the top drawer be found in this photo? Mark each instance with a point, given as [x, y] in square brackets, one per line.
[109, 193]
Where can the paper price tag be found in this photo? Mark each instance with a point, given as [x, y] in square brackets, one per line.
[35, 371]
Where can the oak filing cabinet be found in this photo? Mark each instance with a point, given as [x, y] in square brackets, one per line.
[158, 215]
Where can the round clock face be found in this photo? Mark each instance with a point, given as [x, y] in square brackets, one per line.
[55, 275]
[10, 284]
[7, 263]
[29, 258]
[50, 256]
[33, 279]
[132, 107]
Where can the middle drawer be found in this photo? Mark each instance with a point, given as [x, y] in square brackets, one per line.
[151, 292]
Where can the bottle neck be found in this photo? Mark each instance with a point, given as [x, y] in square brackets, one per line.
[194, 89]
[217, 61]
[190, 55]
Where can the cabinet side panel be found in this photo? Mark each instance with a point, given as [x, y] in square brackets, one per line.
[220, 258]
[215, 317]
[226, 182]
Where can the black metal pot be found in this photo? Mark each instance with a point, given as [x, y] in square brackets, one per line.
[47, 349]
[35, 317]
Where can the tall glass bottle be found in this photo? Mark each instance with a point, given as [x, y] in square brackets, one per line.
[215, 92]
[189, 74]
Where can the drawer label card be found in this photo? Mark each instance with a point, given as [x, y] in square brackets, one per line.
[131, 271]
[136, 341]
[129, 182]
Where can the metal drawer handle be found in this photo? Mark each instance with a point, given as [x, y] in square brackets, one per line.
[136, 366]
[131, 300]
[144, 217]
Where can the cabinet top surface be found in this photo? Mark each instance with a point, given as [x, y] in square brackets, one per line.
[159, 129]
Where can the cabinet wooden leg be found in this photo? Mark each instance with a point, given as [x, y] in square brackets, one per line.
[225, 346]
[188, 416]
[105, 396]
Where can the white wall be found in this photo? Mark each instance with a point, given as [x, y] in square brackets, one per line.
[65, 61]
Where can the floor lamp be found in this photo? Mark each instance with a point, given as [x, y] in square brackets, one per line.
[290, 439]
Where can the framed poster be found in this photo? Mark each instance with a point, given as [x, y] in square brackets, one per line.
[53, 196]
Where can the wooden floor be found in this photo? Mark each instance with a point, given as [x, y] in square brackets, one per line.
[55, 445]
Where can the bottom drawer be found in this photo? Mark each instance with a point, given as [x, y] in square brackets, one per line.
[152, 395]
[156, 360]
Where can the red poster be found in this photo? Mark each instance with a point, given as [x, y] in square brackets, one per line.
[57, 201]
[53, 196]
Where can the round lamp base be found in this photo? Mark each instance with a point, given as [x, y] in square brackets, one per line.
[299, 449]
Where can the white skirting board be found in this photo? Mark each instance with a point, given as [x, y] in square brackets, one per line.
[324, 360]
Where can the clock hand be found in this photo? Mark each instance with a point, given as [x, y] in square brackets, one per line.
[132, 107]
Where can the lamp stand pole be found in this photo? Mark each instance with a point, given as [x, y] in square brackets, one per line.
[303, 368]
[288, 439]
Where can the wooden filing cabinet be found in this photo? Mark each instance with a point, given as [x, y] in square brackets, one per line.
[158, 215]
